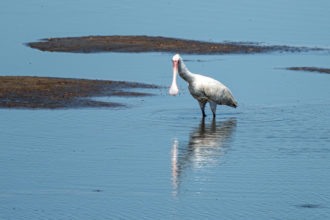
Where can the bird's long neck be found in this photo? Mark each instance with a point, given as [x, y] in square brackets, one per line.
[184, 72]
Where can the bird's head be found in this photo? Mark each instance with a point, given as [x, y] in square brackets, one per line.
[174, 88]
[175, 60]
[176, 57]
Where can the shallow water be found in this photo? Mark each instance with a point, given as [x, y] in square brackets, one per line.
[267, 159]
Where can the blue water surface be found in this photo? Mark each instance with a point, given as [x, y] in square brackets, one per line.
[157, 159]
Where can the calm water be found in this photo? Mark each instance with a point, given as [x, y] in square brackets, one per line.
[267, 159]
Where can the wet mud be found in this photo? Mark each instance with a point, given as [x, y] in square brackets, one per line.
[310, 69]
[93, 44]
[53, 93]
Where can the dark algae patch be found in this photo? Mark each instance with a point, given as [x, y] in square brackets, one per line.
[310, 69]
[309, 206]
[52, 93]
[93, 44]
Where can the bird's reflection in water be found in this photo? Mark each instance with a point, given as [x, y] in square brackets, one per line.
[207, 143]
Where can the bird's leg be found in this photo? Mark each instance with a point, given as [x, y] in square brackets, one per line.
[213, 106]
[202, 105]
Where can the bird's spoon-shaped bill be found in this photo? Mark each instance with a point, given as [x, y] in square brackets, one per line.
[174, 88]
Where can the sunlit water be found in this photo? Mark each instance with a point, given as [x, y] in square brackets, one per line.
[267, 159]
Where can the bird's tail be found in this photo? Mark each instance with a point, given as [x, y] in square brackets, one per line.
[234, 104]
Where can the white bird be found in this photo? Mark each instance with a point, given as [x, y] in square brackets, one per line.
[202, 88]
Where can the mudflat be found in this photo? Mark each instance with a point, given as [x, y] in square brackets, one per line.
[51, 93]
[310, 69]
[118, 43]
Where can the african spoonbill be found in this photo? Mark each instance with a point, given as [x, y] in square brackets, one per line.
[202, 88]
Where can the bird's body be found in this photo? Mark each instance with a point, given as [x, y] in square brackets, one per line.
[204, 89]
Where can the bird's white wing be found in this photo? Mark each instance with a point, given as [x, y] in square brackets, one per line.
[216, 91]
